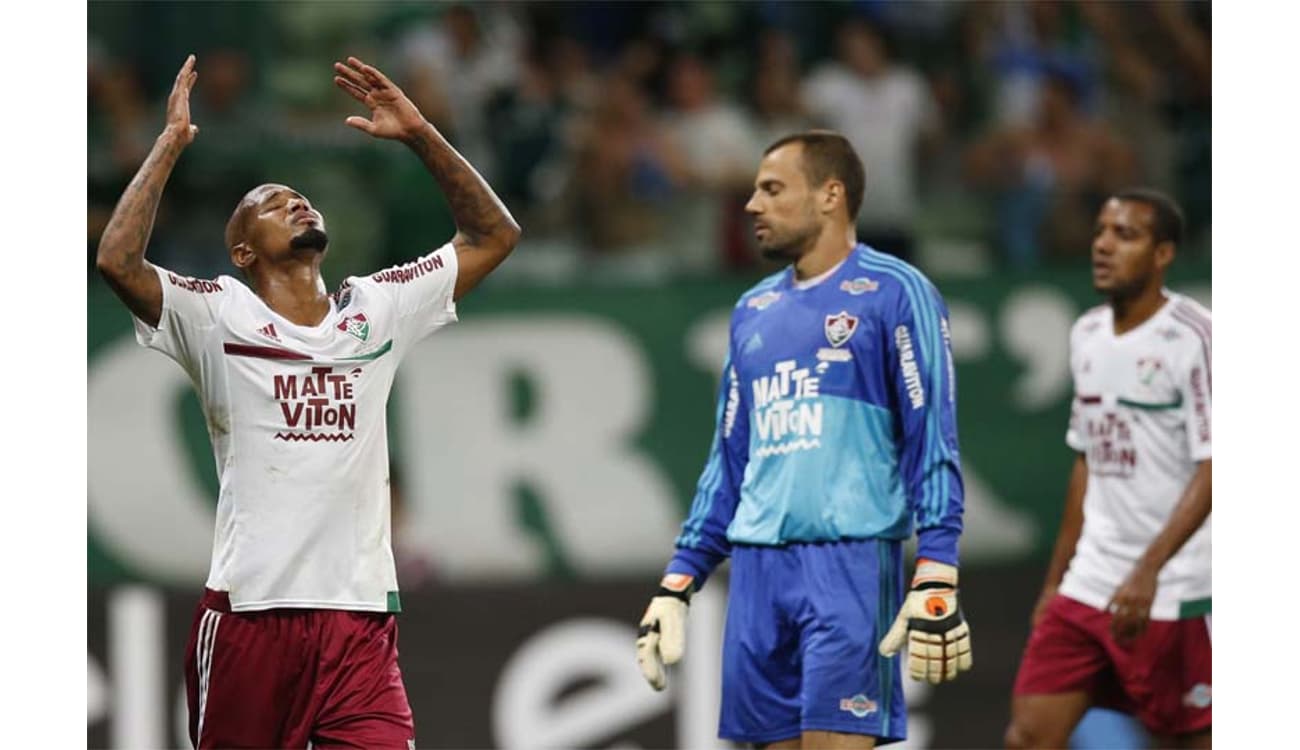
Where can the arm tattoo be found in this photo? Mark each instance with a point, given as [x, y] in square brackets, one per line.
[122, 245]
[478, 212]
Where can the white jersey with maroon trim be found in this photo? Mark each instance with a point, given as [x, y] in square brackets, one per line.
[296, 416]
[1141, 416]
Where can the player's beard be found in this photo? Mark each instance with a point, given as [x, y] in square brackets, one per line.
[789, 246]
[1125, 293]
[310, 239]
[1125, 290]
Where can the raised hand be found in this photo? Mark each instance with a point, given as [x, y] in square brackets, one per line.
[178, 104]
[392, 115]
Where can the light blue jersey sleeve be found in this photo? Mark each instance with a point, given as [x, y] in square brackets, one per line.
[703, 544]
[926, 391]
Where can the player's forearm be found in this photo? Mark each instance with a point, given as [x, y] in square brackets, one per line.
[938, 505]
[480, 216]
[122, 245]
[1188, 516]
[1071, 523]
[937, 491]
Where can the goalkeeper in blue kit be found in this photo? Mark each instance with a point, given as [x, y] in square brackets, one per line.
[836, 435]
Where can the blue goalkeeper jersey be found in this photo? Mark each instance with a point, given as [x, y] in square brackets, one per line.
[836, 418]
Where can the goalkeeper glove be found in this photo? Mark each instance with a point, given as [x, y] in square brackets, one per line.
[932, 623]
[661, 639]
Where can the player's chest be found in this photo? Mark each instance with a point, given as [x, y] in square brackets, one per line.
[828, 337]
[307, 384]
[353, 332]
[1139, 373]
[306, 401]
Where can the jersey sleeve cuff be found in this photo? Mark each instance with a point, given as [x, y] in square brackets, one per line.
[694, 563]
[938, 543]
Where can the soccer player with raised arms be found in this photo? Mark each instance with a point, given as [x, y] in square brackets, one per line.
[294, 641]
[1123, 620]
[836, 437]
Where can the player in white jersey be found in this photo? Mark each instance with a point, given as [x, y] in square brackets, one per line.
[294, 641]
[1124, 617]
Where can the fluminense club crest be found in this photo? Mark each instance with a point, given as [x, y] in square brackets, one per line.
[356, 325]
[840, 327]
[1148, 369]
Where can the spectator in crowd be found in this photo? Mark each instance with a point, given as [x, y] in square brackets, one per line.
[120, 134]
[719, 143]
[553, 102]
[1157, 66]
[569, 64]
[886, 111]
[453, 68]
[624, 178]
[1048, 176]
[1022, 44]
[774, 88]
[524, 130]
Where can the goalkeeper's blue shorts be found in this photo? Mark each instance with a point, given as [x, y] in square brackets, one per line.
[800, 648]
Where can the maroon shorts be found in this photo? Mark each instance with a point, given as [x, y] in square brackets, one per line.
[1162, 678]
[286, 677]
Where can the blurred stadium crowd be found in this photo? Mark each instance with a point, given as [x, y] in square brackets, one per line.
[624, 136]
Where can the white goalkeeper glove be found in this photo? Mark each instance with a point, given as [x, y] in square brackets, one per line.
[931, 622]
[661, 639]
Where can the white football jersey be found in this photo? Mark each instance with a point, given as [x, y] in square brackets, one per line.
[297, 419]
[1141, 416]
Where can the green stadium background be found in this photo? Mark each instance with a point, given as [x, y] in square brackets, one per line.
[545, 448]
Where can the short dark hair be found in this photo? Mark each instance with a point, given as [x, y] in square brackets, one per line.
[1169, 224]
[829, 155]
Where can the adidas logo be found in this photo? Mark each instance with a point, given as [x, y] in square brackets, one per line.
[268, 330]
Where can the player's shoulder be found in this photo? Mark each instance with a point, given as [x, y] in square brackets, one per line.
[1091, 321]
[763, 293]
[218, 297]
[383, 282]
[439, 260]
[1190, 313]
[347, 290]
[368, 290]
[236, 295]
[1187, 328]
[892, 277]
[220, 285]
